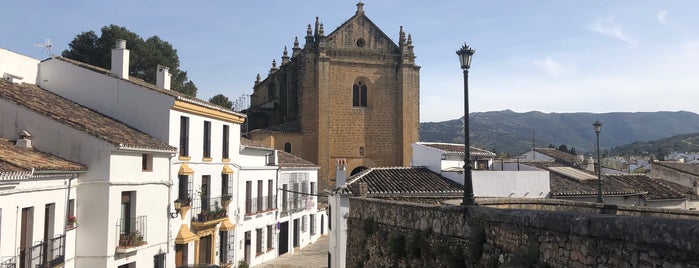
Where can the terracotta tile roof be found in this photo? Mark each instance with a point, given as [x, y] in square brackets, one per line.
[405, 182]
[616, 184]
[657, 189]
[253, 143]
[290, 127]
[562, 185]
[144, 84]
[289, 160]
[78, 117]
[682, 167]
[559, 156]
[454, 148]
[13, 159]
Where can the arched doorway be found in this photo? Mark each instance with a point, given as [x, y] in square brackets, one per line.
[357, 170]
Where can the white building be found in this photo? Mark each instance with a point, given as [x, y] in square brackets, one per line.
[116, 198]
[490, 178]
[226, 192]
[36, 206]
[300, 222]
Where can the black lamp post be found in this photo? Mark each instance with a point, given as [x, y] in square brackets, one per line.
[465, 56]
[598, 128]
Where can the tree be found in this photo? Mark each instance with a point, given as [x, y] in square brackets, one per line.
[146, 55]
[572, 150]
[221, 100]
[563, 148]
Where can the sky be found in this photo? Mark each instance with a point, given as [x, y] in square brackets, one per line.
[551, 56]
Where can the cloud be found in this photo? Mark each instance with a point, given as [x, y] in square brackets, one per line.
[662, 18]
[607, 27]
[550, 66]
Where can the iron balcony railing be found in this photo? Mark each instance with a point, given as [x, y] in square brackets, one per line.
[294, 204]
[260, 204]
[209, 208]
[132, 232]
[44, 254]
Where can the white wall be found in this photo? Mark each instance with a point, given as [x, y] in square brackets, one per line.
[142, 109]
[428, 157]
[339, 207]
[531, 184]
[19, 65]
[36, 193]
[259, 220]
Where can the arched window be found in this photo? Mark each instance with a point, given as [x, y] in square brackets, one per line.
[287, 147]
[359, 92]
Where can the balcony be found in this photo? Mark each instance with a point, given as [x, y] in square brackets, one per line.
[44, 254]
[132, 233]
[291, 204]
[260, 204]
[210, 209]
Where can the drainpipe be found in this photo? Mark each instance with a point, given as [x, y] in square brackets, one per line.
[65, 215]
[169, 197]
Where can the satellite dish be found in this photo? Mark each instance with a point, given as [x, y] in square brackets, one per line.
[47, 45]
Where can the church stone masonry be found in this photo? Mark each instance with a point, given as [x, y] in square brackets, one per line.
[353, 94]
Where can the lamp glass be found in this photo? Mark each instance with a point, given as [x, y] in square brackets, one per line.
[178, 205]
[598, 126]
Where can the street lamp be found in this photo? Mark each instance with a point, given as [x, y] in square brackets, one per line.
[465, 56]
[598, 128]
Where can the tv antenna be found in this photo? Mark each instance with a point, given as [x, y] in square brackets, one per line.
[47, 45]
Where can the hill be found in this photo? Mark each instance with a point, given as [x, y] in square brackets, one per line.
[510, 132]
[661, 147]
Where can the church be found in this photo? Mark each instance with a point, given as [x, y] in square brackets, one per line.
[351, 95]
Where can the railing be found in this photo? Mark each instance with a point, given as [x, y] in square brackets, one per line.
[9, 263]
[271, 202]
[251, 206]
[207, 209]
[45, 254]
[132, 231]
[294, 204]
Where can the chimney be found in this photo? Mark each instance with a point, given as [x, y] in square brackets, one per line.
[12, 78]
[591, 164]
[341, 173]
[25, 140]
[120, 60]
[163, 77]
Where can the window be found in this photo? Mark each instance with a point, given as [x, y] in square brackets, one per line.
[207, 139]
[226, 244]
[304, 223]
[270, 237]
[147, 162]
[330, 219]
[313, 189]
[159, 260]
[359, 92]
[285, 197]
[270, 195]
[249, 210]
[260, 205]
[184, 190]
[226, 140]
[184, 136]
[259, 236]
[313, 224]
[226, 184]
[71, 207]
[287, 147]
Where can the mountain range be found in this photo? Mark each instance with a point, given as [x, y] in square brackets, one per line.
[513, 133]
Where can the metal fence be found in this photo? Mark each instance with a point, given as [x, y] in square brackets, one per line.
[132, 232]
[45, 254]
[208, 208]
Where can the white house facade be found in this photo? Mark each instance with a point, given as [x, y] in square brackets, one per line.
[490, 178]
[127, 170]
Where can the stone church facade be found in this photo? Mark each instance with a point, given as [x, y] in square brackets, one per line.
[352, 94]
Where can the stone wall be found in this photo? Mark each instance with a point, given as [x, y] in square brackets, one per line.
[385, 233]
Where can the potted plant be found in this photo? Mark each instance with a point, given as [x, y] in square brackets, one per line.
[204, 216]
[72, 221]
[226, 200]
[185, 201]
